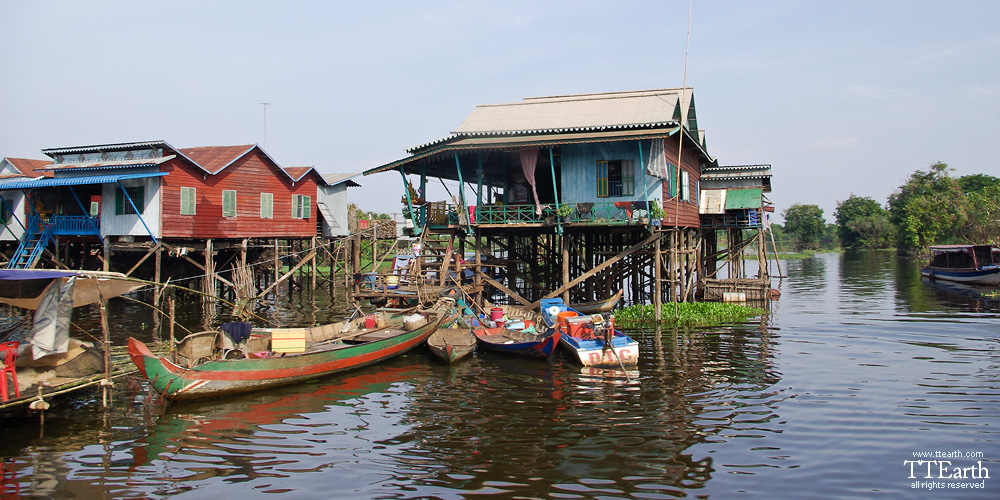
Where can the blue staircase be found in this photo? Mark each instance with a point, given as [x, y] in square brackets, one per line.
[37, 235]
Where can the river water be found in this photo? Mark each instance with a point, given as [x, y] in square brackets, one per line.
[859, 367]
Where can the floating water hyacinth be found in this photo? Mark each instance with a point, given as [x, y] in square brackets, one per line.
[687, 314]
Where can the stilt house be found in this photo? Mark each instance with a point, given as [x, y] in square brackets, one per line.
[563, 192]
[150, 196]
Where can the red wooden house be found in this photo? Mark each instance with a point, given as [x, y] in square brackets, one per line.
[139, 194]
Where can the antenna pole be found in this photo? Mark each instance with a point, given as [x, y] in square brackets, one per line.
[265, 104]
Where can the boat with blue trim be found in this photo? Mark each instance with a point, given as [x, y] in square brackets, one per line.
[972, 264]
[592, 339]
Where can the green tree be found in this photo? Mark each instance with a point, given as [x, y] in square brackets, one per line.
[982, 224]
[863, 223]
[930, 208]
[805, 224]
[977, 182]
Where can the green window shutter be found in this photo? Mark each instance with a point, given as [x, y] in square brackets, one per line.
[188, 204]
[296, 206]
[228, 203]
[602, 179]
[95, 208]
[266, 206]
[628, 178]
[673, 180]
[306, 206]
[122, 205]
[685, 186]
[120, 200]
[138, 194]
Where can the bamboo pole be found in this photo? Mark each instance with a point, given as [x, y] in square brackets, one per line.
[658, 288]
[106, 341]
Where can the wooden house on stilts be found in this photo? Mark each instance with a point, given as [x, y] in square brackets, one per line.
[574, 196]
[151, 210]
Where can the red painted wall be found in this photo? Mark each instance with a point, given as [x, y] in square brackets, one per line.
[685, 212]
[250, 176]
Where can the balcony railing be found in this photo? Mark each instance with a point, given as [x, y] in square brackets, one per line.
[74, 225]
[441, 214]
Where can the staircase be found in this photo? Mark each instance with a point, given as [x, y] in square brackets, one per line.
[437, 258]
[37, 235]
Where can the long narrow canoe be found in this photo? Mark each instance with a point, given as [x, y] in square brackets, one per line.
[598, 306]
[223, 377]
[518, 342]
[452, 344]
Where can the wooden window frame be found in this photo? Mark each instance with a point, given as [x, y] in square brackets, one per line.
[301, 206]
[615, 178]
[266, 207]
[229, 207]
[189, 200]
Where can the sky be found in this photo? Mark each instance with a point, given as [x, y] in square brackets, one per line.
[840, 98]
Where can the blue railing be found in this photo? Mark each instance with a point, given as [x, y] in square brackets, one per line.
[75, 225]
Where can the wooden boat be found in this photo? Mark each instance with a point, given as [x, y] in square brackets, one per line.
[519, 341]
[971, 264]
[592, 340]
[452, 344]
[327, 354]
[598, 306]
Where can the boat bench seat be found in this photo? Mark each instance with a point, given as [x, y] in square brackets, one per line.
[376, 335]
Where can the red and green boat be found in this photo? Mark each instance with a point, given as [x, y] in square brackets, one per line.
[223, 377]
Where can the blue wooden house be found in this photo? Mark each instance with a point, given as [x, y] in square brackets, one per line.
[575, 159]
[566, 190]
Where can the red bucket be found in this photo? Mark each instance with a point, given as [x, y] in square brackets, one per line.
[370, 321]
[496, 313]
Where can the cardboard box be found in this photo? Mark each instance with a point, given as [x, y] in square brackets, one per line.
[288, 340]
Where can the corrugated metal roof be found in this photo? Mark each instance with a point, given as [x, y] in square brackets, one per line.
[104, 147]
[743, 198]
[30, 167]
[214, 159]
[334, 179]
[472, 143]
[109, 164]
[616, 110]
[74, 181]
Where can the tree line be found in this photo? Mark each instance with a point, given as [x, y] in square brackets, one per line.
[932, 207]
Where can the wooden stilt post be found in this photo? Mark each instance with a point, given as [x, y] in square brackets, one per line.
[277, 260]
[107, 255]
[699, 268]
[479, 272]
[313, 263]
[658, 281]
[565, 266]
[157, 294]
[210, 284]
[106, 344]
[171, 304]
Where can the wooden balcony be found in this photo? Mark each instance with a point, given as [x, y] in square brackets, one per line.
[441, 215]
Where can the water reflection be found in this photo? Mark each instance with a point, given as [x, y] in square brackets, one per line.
[859, 364]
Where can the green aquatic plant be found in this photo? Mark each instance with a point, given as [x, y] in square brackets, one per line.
[687, 314]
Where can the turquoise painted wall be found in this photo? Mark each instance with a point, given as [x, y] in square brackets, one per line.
[579, 170]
